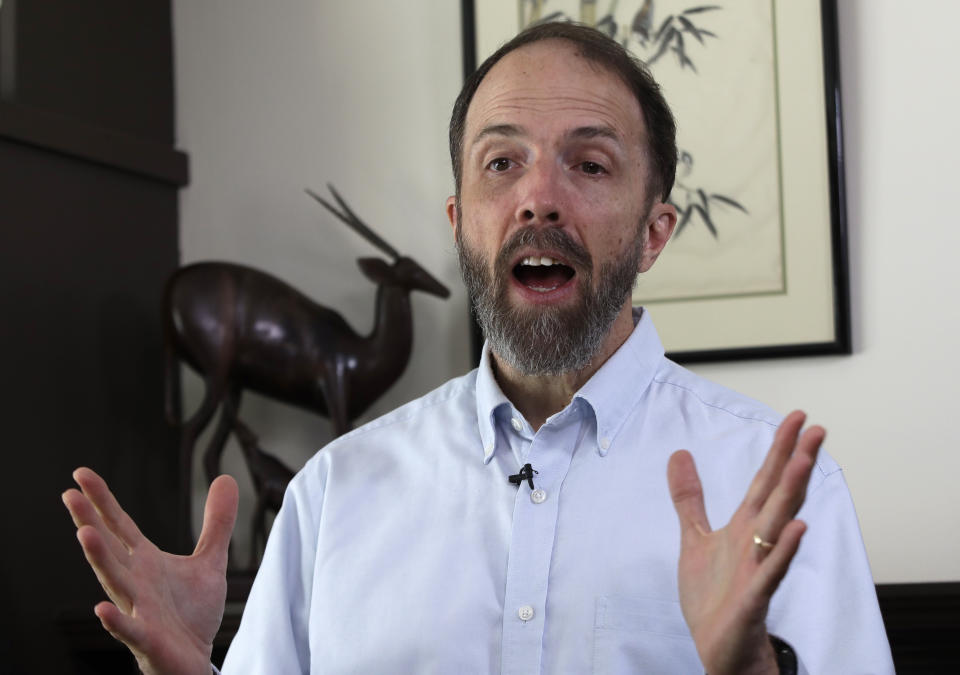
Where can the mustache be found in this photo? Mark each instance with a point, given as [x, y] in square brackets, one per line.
[551, 238]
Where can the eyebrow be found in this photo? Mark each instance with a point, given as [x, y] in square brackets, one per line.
[512, 130]
[595, 132]
[499, 130]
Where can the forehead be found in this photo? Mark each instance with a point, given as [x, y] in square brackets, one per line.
[550, 83]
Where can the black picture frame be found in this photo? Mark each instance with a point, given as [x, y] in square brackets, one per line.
[840, 342]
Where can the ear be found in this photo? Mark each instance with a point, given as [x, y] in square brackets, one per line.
[452, 213]
[660, 223]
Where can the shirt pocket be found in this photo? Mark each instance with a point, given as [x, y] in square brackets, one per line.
[642, 636]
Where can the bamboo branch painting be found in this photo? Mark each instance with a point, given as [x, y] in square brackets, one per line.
[755, 264]
[653, 39]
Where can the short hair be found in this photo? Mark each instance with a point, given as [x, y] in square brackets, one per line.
[608, 54]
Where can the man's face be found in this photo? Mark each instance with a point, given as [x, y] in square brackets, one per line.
[554, 171]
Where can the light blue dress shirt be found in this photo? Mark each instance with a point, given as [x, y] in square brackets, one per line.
[403, 548]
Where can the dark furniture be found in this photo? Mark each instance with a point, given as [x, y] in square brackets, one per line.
[88, 234]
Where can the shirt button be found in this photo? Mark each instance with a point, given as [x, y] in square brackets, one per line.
[517, 424]
[538, 496]
[605, 443]
[525, 613]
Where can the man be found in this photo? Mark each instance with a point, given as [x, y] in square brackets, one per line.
[517, 519]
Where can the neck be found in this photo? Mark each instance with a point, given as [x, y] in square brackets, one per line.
[537, 397]
[392, 332]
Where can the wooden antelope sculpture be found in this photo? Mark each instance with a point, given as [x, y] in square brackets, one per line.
[240, 328]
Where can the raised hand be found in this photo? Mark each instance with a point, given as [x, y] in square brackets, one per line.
[727, 576]
[166, 608]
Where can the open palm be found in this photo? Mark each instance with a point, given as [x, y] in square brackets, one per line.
[166, 608]
[725, 579]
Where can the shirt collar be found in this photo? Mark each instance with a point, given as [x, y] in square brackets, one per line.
[611, 393]
[490, 398]
[619, 384]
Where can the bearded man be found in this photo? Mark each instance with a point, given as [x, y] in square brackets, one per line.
[534, 515]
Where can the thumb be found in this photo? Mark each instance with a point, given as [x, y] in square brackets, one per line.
[219, 515]
[687, 494]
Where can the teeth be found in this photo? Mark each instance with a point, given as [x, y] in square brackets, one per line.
[537, 261]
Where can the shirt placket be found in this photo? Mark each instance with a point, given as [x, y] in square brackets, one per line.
[531, 546]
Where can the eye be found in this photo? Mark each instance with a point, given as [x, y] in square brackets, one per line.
[592, 168]
[499, 164]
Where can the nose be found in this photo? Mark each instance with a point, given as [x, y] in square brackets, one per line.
[540, 197]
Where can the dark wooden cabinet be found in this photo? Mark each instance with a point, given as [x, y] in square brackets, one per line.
[923, 624]
[89, 177]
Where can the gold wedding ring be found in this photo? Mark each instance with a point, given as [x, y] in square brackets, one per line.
[761, 542]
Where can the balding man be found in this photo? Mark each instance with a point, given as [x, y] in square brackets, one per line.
[537, 514]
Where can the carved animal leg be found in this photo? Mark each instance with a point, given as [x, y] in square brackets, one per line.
[192, 428]
[251, 454]
[170, 380]
[248, 439]
[334, 387]
[227, 422]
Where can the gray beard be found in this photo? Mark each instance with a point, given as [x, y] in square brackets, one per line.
[548, 340]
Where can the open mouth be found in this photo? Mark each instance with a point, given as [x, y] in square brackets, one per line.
[542, 274]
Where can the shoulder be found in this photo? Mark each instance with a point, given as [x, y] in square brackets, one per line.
[451, 407]
[701, 394]
[451, 399]
[718, 411]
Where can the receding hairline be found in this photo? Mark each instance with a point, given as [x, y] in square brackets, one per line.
[574, 48]
[604, 55]
[585, 131]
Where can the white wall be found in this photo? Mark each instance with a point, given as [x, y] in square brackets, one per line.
[888, 407]
[272, 97]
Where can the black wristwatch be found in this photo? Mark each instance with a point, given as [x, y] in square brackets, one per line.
[786, 657]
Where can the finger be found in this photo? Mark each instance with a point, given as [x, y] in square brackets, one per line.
[83, 513]
[790, 492]
[121, 626]
[773, 568]
[219, 516]
[115, 518]
[784, 441]
[687, 494]
[114, 577]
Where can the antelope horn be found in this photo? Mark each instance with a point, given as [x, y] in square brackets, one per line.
[350, 219]
[362, 227]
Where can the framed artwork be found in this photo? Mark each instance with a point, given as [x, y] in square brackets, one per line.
[757, 266]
